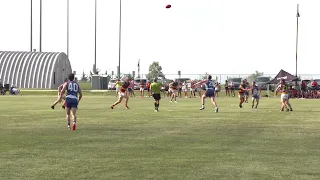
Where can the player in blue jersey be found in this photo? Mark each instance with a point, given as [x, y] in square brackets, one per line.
[209, 92]
[72, 99]
[256, 91]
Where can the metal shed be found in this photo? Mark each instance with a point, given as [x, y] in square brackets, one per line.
[40, 70]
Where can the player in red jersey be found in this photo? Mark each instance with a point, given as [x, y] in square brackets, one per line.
[192, 89]
[148, 88]
[122, 94]
[63, 97]
[130, 91]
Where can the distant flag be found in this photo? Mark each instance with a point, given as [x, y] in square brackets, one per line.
[298, 14]
[139, 63]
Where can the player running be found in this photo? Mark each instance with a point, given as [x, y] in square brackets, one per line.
[256, 91]
[63, 97]
[72, 100]
[192, 89]
[131, 89]
[209, 93]
[172, 90]
[232, 88]
[117, 85]
[142, 86]
[242, 90]
[246, 93]
[199, 89]
[155, 89]
[284, 99]
[122, 94]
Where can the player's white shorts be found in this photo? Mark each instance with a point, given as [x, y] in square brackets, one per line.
[199, 89]
[241, 95]
[193, 89]
[122, 94]
[141, 89]
[118, 89]
[284, 97]
[172, 91]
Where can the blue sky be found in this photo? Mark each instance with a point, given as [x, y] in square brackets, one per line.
[194, 36]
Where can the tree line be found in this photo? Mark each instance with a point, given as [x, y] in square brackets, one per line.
[155, 71]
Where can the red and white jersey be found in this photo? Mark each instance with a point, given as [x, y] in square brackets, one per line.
[131, 85]
[60, 87]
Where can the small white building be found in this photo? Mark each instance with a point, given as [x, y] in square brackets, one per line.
[40, 70]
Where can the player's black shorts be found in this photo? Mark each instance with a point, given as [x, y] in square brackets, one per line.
[156, 96]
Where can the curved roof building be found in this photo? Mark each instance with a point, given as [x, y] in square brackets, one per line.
[41, 70]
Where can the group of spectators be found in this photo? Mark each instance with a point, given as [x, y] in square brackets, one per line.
[311, 92]
[12, 90]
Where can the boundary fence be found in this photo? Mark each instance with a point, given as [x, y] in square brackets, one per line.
[219, 77]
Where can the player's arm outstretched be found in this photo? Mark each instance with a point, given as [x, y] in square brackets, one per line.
[259, 91]
[277, 90]
[249, 88]
[80, 93]
[201, 82]
[151, 85]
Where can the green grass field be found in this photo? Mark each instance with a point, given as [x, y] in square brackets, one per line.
[179, 142]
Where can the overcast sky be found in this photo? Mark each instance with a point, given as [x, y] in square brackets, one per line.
[194, 36]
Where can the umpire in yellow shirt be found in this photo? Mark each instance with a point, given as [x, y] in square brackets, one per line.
[155, 88]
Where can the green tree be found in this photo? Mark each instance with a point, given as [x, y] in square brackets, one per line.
[254, 76]
[84, 77]
[205, 76]
[155, 70]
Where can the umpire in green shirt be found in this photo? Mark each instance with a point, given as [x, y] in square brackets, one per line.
[155, 88]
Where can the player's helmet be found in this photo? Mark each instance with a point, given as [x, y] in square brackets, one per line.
[209, 77]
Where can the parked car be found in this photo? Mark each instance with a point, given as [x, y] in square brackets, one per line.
[236, 82]
[262, 82]
[111, 84]
[137, 82]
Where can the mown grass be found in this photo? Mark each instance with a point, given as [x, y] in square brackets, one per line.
[179, 142]
[85, 85]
